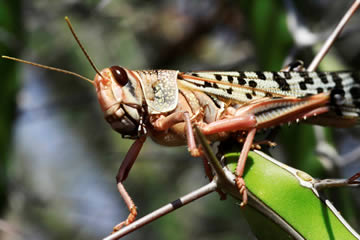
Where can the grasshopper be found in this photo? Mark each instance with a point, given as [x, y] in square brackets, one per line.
[164, 104]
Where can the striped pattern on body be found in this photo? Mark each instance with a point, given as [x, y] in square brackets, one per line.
[244, 87]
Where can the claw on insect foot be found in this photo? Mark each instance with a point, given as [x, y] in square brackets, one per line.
[255, 146]
[195, 152]
[118, 227]
[130, 219]
[240, 183]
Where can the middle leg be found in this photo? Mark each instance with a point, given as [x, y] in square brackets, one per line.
[243, 122]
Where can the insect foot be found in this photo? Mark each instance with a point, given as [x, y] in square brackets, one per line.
[195, 152]
[130, 219]
[257, 145]
[240, 183]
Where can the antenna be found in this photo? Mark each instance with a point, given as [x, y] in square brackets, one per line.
[81, 46]
[49, 68]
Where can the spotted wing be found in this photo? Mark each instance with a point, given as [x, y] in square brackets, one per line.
[247, 86]
[160, 90]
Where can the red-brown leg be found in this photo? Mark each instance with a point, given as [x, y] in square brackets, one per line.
[257, 144]
[122, 175]
[243, 122]
[131, 206]
[240, 183]
[130, 158]
[194, 151]
[168, 121]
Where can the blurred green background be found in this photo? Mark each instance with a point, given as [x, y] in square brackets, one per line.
[58, 156]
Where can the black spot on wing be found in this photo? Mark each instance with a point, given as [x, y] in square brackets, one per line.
[260, 75]
[302, 85]
[210, 85]
[287, 75]
[337, 80]
[252, 84]
[355, 92]
[241, 81]
[303, 74]
[242, 75]
[323, 77]
[207, 84]
[229, 90]
[195, 74]
[320, 90]
[241, 78]
[230, 79]
[308, 80]
[283, 84]
[248, 95]
[218, 77]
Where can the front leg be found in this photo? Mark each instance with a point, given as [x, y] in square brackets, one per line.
[122, 175]
[165, 122]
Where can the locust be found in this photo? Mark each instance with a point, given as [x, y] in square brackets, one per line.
[165, 104]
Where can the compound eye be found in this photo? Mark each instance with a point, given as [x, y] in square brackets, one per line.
[120, 75]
